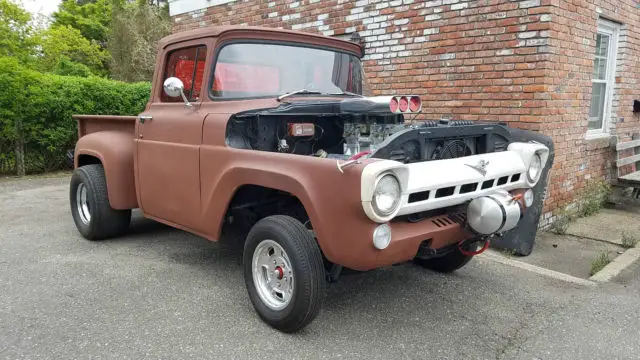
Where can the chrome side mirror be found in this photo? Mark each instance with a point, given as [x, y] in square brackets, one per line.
[174, 87]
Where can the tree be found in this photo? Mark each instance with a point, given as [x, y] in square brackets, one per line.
[65, 42]
[15, 32]
[135, 31]
[91, 18]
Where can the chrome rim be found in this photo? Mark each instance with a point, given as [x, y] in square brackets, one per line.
[272, 274]
[82, 203]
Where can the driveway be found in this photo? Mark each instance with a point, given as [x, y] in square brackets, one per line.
[160, 293]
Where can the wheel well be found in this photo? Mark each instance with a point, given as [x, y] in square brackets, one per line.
[88, 160]
[251, 203]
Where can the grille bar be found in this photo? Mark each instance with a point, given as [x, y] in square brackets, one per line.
[448, 191]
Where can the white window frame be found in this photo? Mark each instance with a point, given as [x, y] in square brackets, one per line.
[612, 30]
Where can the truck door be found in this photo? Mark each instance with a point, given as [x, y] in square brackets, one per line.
[168, 139]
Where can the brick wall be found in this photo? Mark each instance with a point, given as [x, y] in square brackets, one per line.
[568, 93]
[527, 62]
[469, 59]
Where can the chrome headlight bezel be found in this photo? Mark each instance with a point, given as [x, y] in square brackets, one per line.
[536, 160]
[528, 152]
[396, 201]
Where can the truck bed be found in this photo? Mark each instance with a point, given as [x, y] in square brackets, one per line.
[88, 124]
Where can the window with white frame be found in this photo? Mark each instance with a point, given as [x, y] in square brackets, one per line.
[603, 78]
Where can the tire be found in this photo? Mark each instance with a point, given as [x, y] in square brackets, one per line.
[103, 222]
[448, 263]
[302, 274]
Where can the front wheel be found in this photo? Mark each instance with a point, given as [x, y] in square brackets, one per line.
[284, 273]
[90, 208]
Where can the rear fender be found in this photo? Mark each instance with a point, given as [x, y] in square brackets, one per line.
[115, 150]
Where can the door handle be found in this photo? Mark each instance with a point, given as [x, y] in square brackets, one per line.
[143, 118]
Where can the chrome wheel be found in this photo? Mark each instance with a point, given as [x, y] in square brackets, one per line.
[272, 274]
[83, 204]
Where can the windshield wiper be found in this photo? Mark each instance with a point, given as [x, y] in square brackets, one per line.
[299, 92]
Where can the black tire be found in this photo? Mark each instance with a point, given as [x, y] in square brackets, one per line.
[309, 284]
[448, 263]
[104, 222]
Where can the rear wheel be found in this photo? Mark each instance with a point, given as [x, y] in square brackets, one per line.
[284, 273]
[90, 208]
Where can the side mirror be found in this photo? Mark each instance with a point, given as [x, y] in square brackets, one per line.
[174, 87]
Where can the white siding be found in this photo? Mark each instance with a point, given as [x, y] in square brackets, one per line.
[177, 7]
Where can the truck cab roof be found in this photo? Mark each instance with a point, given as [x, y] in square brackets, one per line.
[259, 32]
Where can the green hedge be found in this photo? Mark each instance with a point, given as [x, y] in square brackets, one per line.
[36, 110]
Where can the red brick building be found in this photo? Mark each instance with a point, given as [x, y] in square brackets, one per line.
[567, 68]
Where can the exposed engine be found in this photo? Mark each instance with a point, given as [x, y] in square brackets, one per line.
[326, 129]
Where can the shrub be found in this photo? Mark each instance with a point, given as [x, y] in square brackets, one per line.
[67, 67]
[36, 110]
[593, 198]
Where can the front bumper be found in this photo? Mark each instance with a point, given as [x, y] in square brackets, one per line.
[408, 237]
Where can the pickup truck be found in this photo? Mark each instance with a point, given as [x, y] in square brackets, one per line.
[276, 131]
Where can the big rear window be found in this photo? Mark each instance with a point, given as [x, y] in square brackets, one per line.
[245, 70]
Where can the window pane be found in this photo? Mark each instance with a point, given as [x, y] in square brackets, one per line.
[252, 70]
[602, 44]
[596, 111]
[188, 66]
[600, 68]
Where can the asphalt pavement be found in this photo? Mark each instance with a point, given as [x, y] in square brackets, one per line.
[160, 293]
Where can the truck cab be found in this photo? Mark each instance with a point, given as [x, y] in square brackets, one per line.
[278, 131]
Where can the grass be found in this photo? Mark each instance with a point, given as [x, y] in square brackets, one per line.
[599, 262]
[509, 252]
[629, 240]
[591, 200]
[561, 224]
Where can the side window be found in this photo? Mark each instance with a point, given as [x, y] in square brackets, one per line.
[187, 65]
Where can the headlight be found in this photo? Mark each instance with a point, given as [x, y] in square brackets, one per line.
[535, 168]
[528, 198]
[382, 236]
[386, 195]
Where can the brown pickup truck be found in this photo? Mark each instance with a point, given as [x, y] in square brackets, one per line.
[275, 130]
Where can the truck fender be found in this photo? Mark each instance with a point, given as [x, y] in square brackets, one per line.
[115, 150]
[236, 177]
[321, 199]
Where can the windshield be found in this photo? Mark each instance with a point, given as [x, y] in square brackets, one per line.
[255, 70]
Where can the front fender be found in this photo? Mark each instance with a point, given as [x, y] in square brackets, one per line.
[330, 198]
[115, 151]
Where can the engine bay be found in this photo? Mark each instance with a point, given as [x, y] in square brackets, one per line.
[316, 130]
